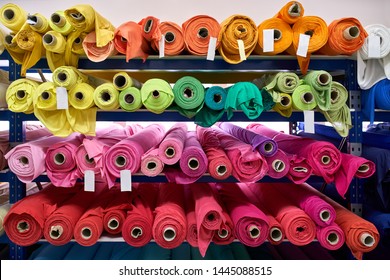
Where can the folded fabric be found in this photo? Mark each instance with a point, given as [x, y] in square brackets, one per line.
[188, 96]
[225, 234]
[150, 28]
[84, 163]
[151, 164]
[171, 147]
[157, 95]
[320, 83]
[300, 170]
[95, 53]
[173, 38]
[340, 120]
[13, 16]
[74, 47]
[20, 94]
[303, 97]
[59, 23]
[291, 12]
[331, 237]
[278, 164]
[377, 97]
[106, 97]
[2, 43]
[55, 44]
[192, 228]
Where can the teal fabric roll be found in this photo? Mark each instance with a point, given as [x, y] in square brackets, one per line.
[189, 96]
[105, 251]
[215, 98]
[126, 252]
[206, 117]
[268, 102]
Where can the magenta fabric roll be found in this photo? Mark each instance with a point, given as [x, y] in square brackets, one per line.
[126, 154]
[278, 164]
[171, 148]
[299, 170]
[250, 223]
[264, 145]
[331, 237]
[85, 163]
[151, 163]
[61, 164]
[322, 156]
[192, 231]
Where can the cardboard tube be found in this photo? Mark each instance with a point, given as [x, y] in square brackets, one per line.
[170, 152]
[193, 163]
[325, 160]
[23, 226]
[37, 22]
[324, 215]
[217, 98]
[294, 10]
[221, 170]
[9, 14]
[300, 169]
[136, 232]
[120, 161]
[275, 234]
[351, 33]
[156, 94]
[324, 79]
[129, 98]
[364, 168]
[45, 95]
[57, 19]
[88, 159]
[148, 25]
[20, 94]
[188, 93]
[254, 231]
[223, 233]
[307, 97]
[120, 81]
[169, 234]
[277, 34]
[203, 32]
[23, 160]
[151, 165]
[8, 40]
[86, 233]
[77, 16]
[285, 101]
[333, 238]
[113, 224]
[268, 147]
[278, 165]
[56, 232]
[62, 77]
[169, 37]
[79, 95]
[59, 158]
[367, 240]
[105, 96]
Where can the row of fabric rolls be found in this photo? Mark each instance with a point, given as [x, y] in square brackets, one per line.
[81, 30]
[198, 213]
[185, 156]
[281, 92]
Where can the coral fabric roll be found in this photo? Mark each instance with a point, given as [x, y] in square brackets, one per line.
[137, 228]
[192, 231]
[299, 170]
[170, 226]
[197, 32]
[278, 164]
[150, 28]
[291, 12]
[174, 38]
[95, 53]
[171, 148]
[151, 164]
[19, 96]
[331, 237]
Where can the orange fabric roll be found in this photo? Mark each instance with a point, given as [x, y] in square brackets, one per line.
[283, 36]
[291, 12]
[174, 39]
[346, 36]
[95, 53]
[150, 28]
[197, 32]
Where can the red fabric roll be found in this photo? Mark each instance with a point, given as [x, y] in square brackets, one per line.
[192, 231]
[299, 170]
[278, 164]
[171, 148]
[170, 226]
[137, 228]
[331, 237]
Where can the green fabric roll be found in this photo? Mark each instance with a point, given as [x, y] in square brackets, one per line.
[320, 83]
[106, 97]
[130, 99]
[68, 77]
[239, 251]
[157, 95]
[340, 120]
[303, 98]
[244, 96]
[206, 117]
[268, 102]
[19, 96]
[284, 107]
[189, 96]
[338, 95]
[282, 82]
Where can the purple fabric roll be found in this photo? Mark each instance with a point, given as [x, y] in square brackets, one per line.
[279, 164]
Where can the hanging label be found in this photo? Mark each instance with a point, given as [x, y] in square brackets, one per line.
[268, 40]
[62, 98]
[308, 118]
[374, 46]
[241, 49]
[303, 45]
[125, 180]
[161, 46]
[89, 181]
[211, 49]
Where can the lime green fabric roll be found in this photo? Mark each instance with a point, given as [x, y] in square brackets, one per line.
[19, 96]
[284, 107]
[338, 95]
[156, 95]
[122, 80]
[81, 96]
[106, 97]
[320, 83]
[189, 96]
[59, 23]
[130, 99]
[68, 77]
[282, 82]
[303, 98]
[340, 120]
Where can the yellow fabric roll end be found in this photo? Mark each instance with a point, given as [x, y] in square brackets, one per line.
[81, 96]
[19, 96]
[13, 16]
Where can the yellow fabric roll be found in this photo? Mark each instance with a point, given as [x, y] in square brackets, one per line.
[2, 40]
[12, 16]
[54, 43]
[81, 96]
[68, 77]
[284, 107]
[291, 12]
[106, 97]
[237, 27]
[59, 23]
[19, 96]
[122, 80]
[84, 17]
[74, 48]
[39, 23]
[82, 121]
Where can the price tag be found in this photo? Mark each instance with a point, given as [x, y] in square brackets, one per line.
[161, 46]
[374, 46]
[303, 45]
[241, 49]
[211, 49]
[125, 180]
[268, 40]
[89, 181]
[62, 98]
[308, 118]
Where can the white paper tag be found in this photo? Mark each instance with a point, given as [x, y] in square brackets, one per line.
[241, 49]
[125, 180]
[211, 49]
[308, 118]
[303, 45]
[268, 40]
[89, 181]
[161, 46]
[29, 21]
[62, 98]
[374, 46]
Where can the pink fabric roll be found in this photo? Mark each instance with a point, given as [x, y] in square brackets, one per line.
[151, 164]
[352, 166]
[322, 156]
[61, 162]
[171, 148]
[278, 164]
[95, 53]
[126, 154]
[85, 163]
[331, 237]
[170, 226]
[192, 231]
[250, 223]
[36, 131]
[299, 170]
[193, 161]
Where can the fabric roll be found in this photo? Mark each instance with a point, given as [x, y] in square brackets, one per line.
[291, 12]
[300, 170]
[127, 153]
[171, 147]
[234, 28]
[320, 83]
[81, 97]
[264, 145]
[157, 95]
[197, 32]
[340, 119]
[13, 49]
[19, 96]
[285, 106]
[225, 234]
[214, 101]
[278, 164]
[151, 164]
[4, 209]
[84, 163]
[54, 43]
[122, 80]
[13, 16]
[169, 227]
[2, 41]
[106, 97]
[376, 97]
[174, 39]
[60, 24]
[282, 82]
[68, 77]
[130, 99]
[74, 48]
[137, 228]
[303, 98]
[331, 237]
[38, 23]
[150, 28]
[95, 53]
[250, 223]
[192, 229]
[188, 96]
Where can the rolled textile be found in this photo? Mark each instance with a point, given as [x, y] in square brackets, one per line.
[4, 209]
[291, 12]
[137, 228]
[122, 80]
[331, 237]
[169, 226]
[377, 97]
[197, 32]
[13, 16]
[13, 49]
[225, 234]
[244, 96]
[173, 36]
[2, 40]
[84, 17]
[38, 23]
[188, 96]
[282, 82]
[207, 117]
[68, 77]
[171, 147]
[150, 28]
[300, 170]
[250, 223]
[320, 83]
[346, 36]
[340, 119]
[285, 106]
[157, 95]
[84, 163]
[215, 98]
[264, 145]
[303, 97]
[19, 96]
[278, 164]
[59, 23]
[235, 28]
[151, 164]
[127, 153]
[61, 163]
[282, 37]
[192, 230]
[55, 44]
[95, 53]
[130, 99]
[25, 221]
[323, 157]
[220, 166]
[106, 97]
[317, 29]
[74, 48]
[81, 97]
[298, 226]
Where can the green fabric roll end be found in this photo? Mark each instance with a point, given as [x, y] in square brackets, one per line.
[19, 96]
[320, 83]
[282, 82]
[106, 97]
[59, 23]
[303, 98]
[338, 95]
[122, 80]
[81, 96]
[157, 95]
[130, 99]
[189, 93]
[340, 120]
[268, 102]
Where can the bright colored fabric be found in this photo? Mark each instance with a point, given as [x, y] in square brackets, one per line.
[95, 53]
[174, 38]
[157, 95]
[13, 16]
[171, 147]
[106, 97]
[20, 94]
[188, 96]
[291, 12]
